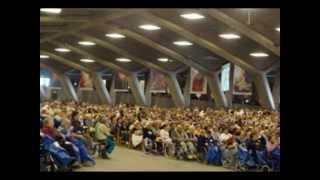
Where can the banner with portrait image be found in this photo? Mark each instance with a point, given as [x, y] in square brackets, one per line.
[85, 80]
[121, 82]
[158, 82]
[225, 77]
[242, 82]
[198, 83]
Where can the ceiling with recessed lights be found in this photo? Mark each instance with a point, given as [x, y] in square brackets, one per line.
[167, 39]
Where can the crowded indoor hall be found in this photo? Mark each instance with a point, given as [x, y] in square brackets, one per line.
[159, 90]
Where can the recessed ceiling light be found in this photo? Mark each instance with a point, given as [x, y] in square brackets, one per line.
[87, 60]
[163, 59]
[115, 36]
[44, 56]
[192, 16]
[229, 36]
[123, 60]
[259, 54]
[278, 29]
[149, 27]
[182, 43]
[62, 50]
[86, 43]
[51, 10]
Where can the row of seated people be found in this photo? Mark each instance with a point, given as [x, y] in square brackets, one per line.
[64, 146]
[241, 139]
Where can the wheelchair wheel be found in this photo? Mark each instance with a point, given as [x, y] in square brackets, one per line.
[265, 168]
[169, 152]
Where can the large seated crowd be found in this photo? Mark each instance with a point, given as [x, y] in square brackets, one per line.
[234, 138]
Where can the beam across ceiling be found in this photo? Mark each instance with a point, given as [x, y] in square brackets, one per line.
[62, 20]
[245, 30]
[106, 63]
[122, 52]
[201, 41]
[66, 62]
[160, 48]
[71, 28]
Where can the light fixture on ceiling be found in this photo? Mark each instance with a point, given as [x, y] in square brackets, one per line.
[182, 43]
[123, 60]
[115, 35]
[86, 43]
[87, 60]
[163, 59]
[44, 56]
[278, 29]
[259, 54]
[229, 36]
[64, 50]
[51, 10]
[149, 27]
[192, 16]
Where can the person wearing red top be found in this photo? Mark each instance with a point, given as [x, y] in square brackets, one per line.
[48, 128]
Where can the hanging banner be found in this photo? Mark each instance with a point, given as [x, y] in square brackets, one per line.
[225, 77]
[242, 82]
[121, 82]
[158, 82]
[198, 83]
[85, 80]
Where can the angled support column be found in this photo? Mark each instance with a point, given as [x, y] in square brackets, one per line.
[186, 91]
[101, 89]
[112, 89]
[43, 94]
[231, 85]
[68, 88]
[276, 91]
[264, 91]
[137, 90]
[175, 90]
[219, 96]
[147, 91]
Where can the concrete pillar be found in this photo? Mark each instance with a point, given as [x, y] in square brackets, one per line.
[68, 88]
[101, 89]
[43, 94]
[219, 96]
[186, 90]
[175, 90]
[276, 91]
[229, 94]
[112, 89]
[136, 89]
[263, 91]
[147, 91]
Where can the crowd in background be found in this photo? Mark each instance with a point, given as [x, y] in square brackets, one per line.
[183, 133]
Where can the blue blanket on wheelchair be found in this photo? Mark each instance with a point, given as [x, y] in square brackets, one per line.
[245, 158]
[214, 155]
[59, 153]
[83, 152]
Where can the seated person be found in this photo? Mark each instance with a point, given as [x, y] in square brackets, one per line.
[149, 137]
[104, 136]
[49, 130]
[124, 131]
[164, 135]
[137, 138]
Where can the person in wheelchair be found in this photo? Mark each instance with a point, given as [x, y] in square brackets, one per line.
[167, 141]
[149, 138]
[104, 137]
[49, 130]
